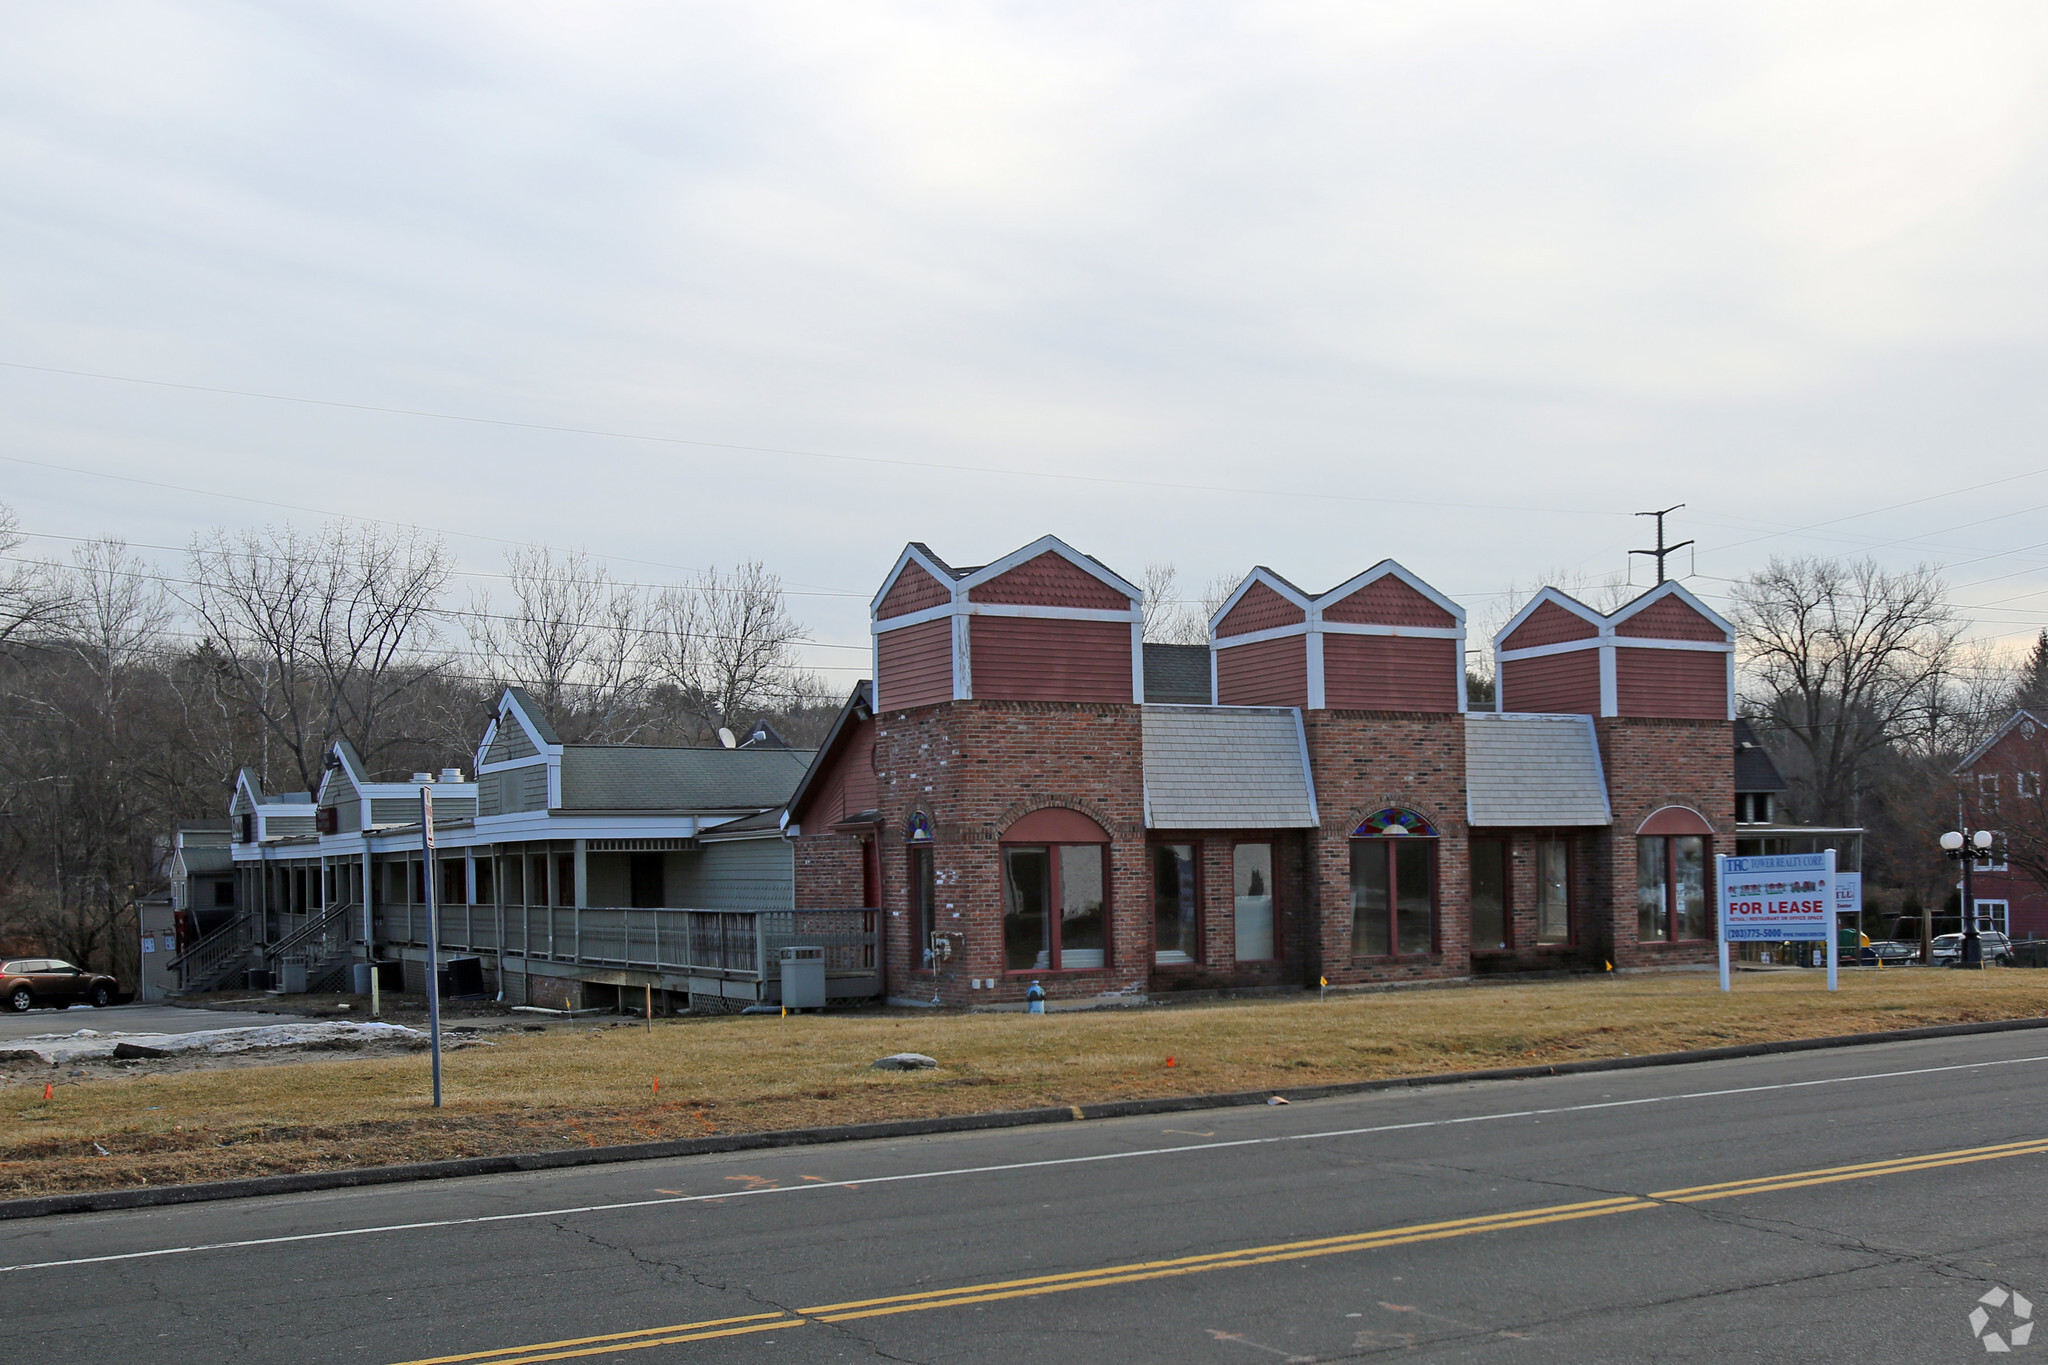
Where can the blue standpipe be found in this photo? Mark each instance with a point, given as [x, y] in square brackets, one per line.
[1034, 999]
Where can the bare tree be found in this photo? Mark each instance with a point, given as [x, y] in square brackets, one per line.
[1842, 662]
[572, 638]
[320, 633]
[32, 595]
[727, 644]
[1171, 619]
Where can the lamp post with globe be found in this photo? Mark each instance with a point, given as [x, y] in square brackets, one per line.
[1969, 851]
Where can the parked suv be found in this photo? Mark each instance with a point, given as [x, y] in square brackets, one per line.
[1948, 948]
[26, 982]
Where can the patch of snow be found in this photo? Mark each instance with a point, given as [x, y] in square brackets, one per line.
[87, 1044]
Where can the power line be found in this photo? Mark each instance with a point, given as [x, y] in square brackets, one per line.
[1319, 495]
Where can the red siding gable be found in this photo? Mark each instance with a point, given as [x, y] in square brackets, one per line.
[1269, 673]
[847, 786]
[1550, 624]
[1389, 673]
[1033, 658]
[1388, 602]
[1671, 619]
[914, 590]
[1260, 609]
[916, 667]
[1684, 684]
[1555, 682]
[1050, 580]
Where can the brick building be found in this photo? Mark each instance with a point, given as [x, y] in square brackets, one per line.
[1999, 788]
[1026, 791]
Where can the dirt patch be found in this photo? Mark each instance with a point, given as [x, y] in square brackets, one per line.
[508, 1090]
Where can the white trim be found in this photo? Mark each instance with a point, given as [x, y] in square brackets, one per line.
[1133, 614]
[508, 764]
[1254, 637]
[1308, 775]
[1671, 587]
[912, 618]
[1215, 686]
[1138, 660]
[1565, 600]
[1977, 755]
[963, 660]
[1657, 642]
[1465, 685]
[1548, 651]
[1262, 574]
[1390, 568]
[1317, 697]
[1375, 628]
[1043, 545]
[1610, 685]
[927, 562]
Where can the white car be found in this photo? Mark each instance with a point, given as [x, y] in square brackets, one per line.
[1948, 949]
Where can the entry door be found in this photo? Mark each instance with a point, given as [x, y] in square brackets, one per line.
[1991, 916]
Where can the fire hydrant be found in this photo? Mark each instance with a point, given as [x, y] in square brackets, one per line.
[1034, 999]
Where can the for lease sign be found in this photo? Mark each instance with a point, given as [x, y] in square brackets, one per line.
[1786, 896]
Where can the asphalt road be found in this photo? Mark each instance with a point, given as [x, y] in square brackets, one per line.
[132, 1019]
[1858, 1205]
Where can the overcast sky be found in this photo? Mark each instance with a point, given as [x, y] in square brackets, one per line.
[1464, 284]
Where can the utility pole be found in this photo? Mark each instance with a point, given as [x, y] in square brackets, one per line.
[1662, 549]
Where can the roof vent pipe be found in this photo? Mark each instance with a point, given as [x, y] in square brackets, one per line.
[451, 774]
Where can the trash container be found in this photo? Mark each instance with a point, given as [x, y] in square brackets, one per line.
[462, 978]
[803, 978]
[291, 978]
[359, 974]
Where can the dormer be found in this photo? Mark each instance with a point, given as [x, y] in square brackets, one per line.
[518, 760]
[1664, 655]
[1382, 641]
[256, 815]
[1043, 623]
[350, 803]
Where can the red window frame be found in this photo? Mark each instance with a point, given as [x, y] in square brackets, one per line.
[1055, 949]
[1272, 870]
[1507, 893]
[1389, 844]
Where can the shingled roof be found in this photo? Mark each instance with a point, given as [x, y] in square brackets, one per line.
[1527, 769]
[631, 777]
[1226, 767]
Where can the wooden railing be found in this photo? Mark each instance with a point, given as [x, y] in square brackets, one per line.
[205, 960]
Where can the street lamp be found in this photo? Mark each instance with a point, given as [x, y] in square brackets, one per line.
[1969, 851]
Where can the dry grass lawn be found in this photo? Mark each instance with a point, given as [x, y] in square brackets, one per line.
[595, 1085]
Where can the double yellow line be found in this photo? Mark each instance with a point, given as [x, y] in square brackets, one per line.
[1135, 1272]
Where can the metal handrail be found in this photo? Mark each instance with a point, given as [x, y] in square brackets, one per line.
[312, 937]
[734, 944]
[211, 953]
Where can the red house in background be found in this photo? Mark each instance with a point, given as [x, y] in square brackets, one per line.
[1999, 788]
[1026, 791]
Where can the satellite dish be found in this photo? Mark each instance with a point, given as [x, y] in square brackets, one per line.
[727, 738]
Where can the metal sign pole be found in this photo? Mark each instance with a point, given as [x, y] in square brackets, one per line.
[1721, 913]
[1834, 924]
[433, 937]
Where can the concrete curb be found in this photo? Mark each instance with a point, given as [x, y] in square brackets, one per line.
[157, 1196]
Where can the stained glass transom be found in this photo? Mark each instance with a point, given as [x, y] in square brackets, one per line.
[1393, 820]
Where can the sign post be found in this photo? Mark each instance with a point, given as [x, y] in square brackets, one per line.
[433, 936]
[1777, 898]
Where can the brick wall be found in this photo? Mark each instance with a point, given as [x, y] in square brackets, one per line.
[1651, 764]
[1364, 761]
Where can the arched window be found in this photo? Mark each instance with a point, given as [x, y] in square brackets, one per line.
[1393, 885]
[1671, 876]
[1055, 892]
